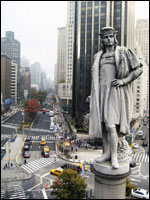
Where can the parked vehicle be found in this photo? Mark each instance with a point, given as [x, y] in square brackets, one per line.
[145, 144]
[26, 154]
[140, 193]
[143, 137]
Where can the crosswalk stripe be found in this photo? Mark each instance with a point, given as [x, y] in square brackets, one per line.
[38, 164]
[140, 157]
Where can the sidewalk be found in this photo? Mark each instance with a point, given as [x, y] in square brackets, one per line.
[14, 173]
[83, 155]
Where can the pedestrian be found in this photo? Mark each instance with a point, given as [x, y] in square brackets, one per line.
[72, 148]
[11, 166]
[25, 162]
[76, 148]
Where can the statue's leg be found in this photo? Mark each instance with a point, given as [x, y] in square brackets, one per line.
[113, 141]
[106, 154]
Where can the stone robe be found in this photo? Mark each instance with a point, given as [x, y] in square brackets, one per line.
[128, 68]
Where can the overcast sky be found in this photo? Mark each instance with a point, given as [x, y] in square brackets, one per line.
[35, 25]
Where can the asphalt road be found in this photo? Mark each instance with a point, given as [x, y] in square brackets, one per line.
[42, 121]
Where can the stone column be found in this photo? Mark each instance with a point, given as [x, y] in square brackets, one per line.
[110, 183]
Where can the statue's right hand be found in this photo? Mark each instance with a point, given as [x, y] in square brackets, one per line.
[88, 99]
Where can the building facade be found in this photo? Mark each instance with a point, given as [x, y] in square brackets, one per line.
[61, 65]
[25, 82]
[14, 82]
[6, 80]
[142, 38]
[11, 47]
[36, 74]
[90, 18]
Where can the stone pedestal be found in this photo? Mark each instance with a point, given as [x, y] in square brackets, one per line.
[110, 183]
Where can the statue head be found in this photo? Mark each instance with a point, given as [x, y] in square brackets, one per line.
[108, 32]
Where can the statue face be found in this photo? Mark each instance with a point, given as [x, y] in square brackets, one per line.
[108, 40]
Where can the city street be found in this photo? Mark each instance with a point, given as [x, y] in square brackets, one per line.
[39, 167]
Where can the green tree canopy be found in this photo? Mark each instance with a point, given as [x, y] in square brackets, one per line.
[70, 185]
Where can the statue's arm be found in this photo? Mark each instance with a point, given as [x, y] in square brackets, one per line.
[133, 75]
[135, 70]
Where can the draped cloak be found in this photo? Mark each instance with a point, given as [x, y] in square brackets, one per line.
[128, 68]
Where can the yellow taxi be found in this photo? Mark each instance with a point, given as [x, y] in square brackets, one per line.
[43, 142]
[46, 148]
[56, 172]
[80, 164]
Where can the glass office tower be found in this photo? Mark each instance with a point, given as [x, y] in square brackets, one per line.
[90, 18]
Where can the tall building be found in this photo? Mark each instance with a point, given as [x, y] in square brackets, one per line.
[25, 82]
[14, 82]
[43, 80]
[11, 47]
[6, 80]
[61, 65]
[139, 88]
[36, 74]
[142, 38]
[90, 18]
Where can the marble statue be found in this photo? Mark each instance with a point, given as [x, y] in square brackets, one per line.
[113, 71]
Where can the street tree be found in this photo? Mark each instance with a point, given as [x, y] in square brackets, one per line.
[32, 108]
[69, 185]
[129, 187]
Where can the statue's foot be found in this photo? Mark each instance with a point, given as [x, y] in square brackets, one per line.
[115, 164]
[104, 158]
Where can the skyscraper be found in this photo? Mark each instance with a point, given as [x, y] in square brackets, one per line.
[36, 74]
[90, 18]
[11, 47]
[61, 65]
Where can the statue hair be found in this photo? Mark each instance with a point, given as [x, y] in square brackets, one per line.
[102, 47]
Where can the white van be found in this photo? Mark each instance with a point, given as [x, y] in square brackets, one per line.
[51, 113]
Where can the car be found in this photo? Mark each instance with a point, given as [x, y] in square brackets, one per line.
[143, 137]
[44, 110]
[56, 172]
[137, 137]
[135, 146]
[46, 148]
[140, 133]
[80, 164]
[43, 142]
[132, 164]
[45, 154]
[28, 141]
[145, 144]
[140, 193]
[26, 147]
[26, 154]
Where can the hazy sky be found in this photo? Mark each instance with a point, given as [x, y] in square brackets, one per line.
[35, 25]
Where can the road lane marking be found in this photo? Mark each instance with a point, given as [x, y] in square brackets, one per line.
[45, 175]
[135, 180]
[44, 193]
[36, 185]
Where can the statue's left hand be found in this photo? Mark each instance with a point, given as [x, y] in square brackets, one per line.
[117, 83]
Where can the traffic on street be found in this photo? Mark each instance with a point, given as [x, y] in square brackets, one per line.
[44, 144]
